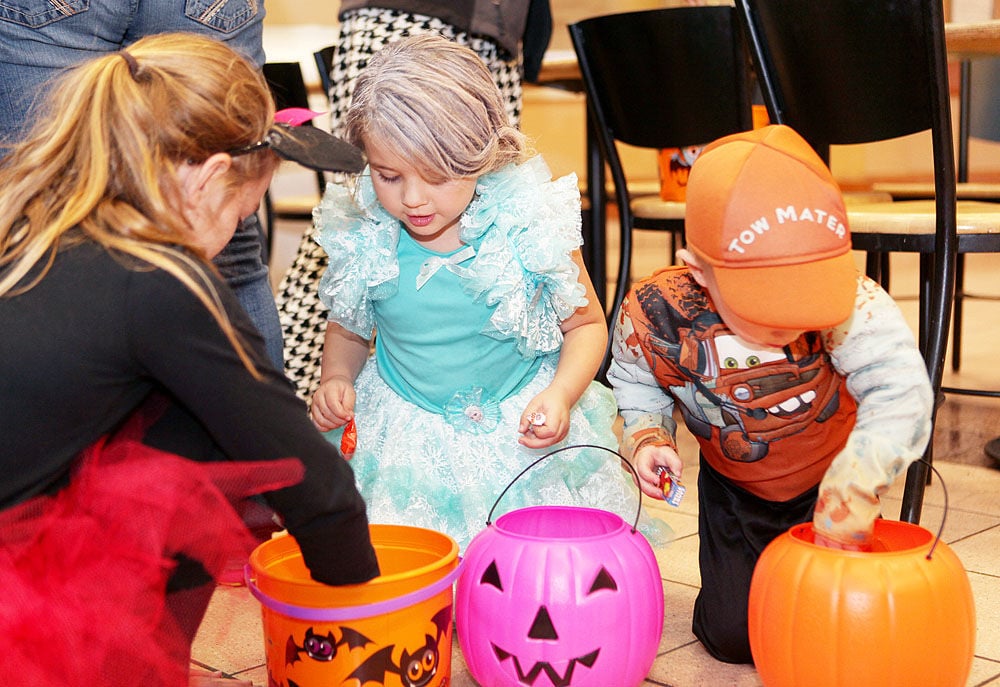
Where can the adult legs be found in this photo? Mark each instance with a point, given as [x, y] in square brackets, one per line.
[242, 266]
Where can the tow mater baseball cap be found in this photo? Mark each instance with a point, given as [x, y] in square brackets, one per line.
[765, 212]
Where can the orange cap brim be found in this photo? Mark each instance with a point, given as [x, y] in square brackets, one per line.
[810, 296]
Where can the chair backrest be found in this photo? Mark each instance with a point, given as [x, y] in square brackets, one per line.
[848, 71]
[324, 64]
[979, 106]
[288, 86]
[665, 78]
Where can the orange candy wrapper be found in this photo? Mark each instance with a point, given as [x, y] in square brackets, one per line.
[349, 440]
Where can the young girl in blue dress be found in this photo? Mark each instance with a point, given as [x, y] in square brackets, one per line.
[462, 253]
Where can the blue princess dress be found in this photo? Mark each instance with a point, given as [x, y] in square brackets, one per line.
[464, 341]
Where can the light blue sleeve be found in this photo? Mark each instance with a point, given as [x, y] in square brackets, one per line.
[360, 240]
[887, 376]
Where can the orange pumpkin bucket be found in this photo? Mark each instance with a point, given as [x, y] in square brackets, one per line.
[394, 630]
[899, 616]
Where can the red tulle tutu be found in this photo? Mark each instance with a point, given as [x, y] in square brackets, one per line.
[84, 573]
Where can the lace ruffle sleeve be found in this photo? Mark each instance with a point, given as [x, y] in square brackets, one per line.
[525, 227]
[360, 239]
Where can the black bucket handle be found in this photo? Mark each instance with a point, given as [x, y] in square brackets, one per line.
[638, 511]
[944, 516]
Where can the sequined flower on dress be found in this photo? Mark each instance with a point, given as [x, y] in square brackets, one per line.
[469, 411]
[360, 239]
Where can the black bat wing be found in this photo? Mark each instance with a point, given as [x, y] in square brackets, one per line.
[441, 620]
[352, 638]
[375, 667]
[292, 651]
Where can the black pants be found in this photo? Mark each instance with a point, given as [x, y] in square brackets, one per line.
[734, 526]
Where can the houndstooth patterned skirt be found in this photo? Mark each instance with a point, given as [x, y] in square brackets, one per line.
[362, 34]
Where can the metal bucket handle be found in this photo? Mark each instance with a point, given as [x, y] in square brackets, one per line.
[638, 511]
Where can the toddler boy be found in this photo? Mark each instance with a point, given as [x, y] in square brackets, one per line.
[798, 376]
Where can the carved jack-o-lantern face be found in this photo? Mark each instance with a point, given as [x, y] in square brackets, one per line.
[578, 602]
[544, 629]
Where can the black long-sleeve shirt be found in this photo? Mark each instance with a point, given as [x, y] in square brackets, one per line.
[87, 345]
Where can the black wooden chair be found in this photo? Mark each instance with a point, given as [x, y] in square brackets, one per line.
[664, 78]
[859, 71]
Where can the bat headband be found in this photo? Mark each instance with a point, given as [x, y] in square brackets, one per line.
[307, 145]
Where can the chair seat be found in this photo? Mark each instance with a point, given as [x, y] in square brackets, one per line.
[917, 218]
[652, 207]
[864, 197]
[971, 190]
[295, 207]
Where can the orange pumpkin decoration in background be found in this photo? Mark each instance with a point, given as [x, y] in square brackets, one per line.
[895, 617]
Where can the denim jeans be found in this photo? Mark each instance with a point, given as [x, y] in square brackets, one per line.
[38, 38]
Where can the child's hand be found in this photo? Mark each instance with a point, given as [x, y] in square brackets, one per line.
[650, 457]
[844, 520]
[545, 421]
[332, 404]
[830, 543]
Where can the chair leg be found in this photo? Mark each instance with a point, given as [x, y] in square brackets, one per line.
[956, 319]
[924, 298]
[877, 268]
[873, 266]
[268, 228]
[917, 477]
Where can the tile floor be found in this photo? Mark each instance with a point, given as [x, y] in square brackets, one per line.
[231, 638]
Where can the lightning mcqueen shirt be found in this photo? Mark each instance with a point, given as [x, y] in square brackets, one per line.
[848, 407]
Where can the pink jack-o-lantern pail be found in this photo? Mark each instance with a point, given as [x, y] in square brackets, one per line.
[572, 594]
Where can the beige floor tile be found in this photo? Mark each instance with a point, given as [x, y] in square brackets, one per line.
[231, 637]
[984, 673]
[984, 591]
[679, 562]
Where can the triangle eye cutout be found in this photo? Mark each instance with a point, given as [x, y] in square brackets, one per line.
[603, 581]
[491, 576]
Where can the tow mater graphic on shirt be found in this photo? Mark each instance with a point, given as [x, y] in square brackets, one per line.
[750, 395]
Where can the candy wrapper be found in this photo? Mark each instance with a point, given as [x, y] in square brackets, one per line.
[670, 485]
[349, 440]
